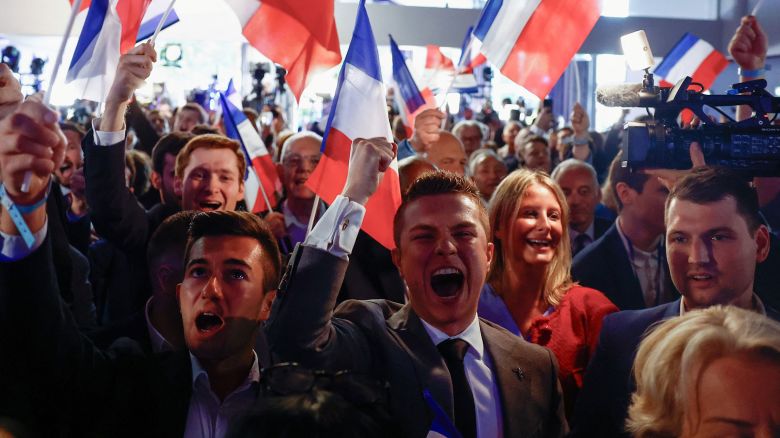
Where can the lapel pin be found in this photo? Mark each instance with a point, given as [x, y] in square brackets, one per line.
[519, 373]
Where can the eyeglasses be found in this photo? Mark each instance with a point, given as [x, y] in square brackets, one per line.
[291, 378]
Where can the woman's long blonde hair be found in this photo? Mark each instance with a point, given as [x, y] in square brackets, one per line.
[503, 209]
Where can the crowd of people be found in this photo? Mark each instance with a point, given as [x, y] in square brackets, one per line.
[537, 287]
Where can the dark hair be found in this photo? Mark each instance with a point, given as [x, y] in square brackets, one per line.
[169, 144]
[319, 413]
[201, 129]
[142, 171]
[239, 223]
[439, 182]
[171, 235]
[194, 106]
[620, 174]
[708, 184]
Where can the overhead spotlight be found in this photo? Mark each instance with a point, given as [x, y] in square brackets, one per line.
[172, 55]
[10, 57]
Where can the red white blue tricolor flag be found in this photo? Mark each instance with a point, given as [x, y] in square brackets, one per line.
[694, 57]
[408, 96]
[359, 111]
[300, 35]
[533, 41]
[152, 18]
[110, 29]
[470, 54]
[261, 181]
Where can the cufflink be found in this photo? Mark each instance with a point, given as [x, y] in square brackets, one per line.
[519, 373]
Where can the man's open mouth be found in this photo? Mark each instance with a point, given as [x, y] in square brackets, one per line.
[209, 205]
[446, 282]
[66, 165]
[207, 322]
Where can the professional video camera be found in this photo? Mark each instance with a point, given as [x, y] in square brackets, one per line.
[751, 146]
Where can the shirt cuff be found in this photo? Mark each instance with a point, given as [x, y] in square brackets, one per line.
[13, 247]
[338, 228]
[106, 138]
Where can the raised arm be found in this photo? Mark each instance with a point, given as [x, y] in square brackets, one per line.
[115, 212]
[301, 328]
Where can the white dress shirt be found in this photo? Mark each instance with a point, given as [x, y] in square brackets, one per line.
[208, 417]
[479, 372]
[158, 341]
[647, 268]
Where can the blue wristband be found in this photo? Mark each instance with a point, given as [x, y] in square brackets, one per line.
[16, 212]
[753, 73]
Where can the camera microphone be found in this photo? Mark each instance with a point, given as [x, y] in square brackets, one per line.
[619, 95]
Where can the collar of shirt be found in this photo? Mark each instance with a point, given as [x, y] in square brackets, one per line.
[758, 305]
[591, 232]
[630, 249]
[199, 374]
[472, 334]
[159, 343]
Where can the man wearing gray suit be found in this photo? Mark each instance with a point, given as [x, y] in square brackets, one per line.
[434, 351]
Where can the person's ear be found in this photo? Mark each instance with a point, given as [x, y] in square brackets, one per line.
[625, 193]
[156, 180]
[762, 243]
[178, 186]
[395, 253]
[267, 305]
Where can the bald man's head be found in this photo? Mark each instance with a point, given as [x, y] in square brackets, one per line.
[410, 168]
[448, 154]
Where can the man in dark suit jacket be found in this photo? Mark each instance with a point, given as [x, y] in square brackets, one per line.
[580, 184]
[627, 263]
[443, 255]
[714, 241]
[50, 371]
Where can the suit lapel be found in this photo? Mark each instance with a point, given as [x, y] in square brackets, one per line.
[429, 367]
[512, 381]
[629, 284]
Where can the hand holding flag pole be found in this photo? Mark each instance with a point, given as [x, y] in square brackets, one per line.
[57, 63]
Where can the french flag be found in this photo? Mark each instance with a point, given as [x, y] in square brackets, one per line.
[470, 55]
[408, 96]
[440, 70]
[533, 41]
[130, 12]
[694, 57]
[153, 16]
[359, 111]
[261, 181]
[298, 34]
[103, 38]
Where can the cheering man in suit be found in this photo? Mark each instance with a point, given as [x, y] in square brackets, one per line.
[434, 351]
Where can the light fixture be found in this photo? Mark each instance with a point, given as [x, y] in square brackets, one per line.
[637, 51]
[172, 55]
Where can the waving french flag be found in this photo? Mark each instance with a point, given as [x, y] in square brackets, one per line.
[470, 55]
[110, 29]
[298, 34]
[359, 111]
[408, 96]
[694, 57]
[261, 181]
[154, 15]
[440, 71]
[533, 41]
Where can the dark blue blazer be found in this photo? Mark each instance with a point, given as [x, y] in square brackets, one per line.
[604, 265]
[602, 406]
[603, 402]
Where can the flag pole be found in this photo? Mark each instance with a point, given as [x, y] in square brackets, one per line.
[58, 61]
[756, 8]
[313, 214]
[161, 23]
[265, 196]
[576, 78]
